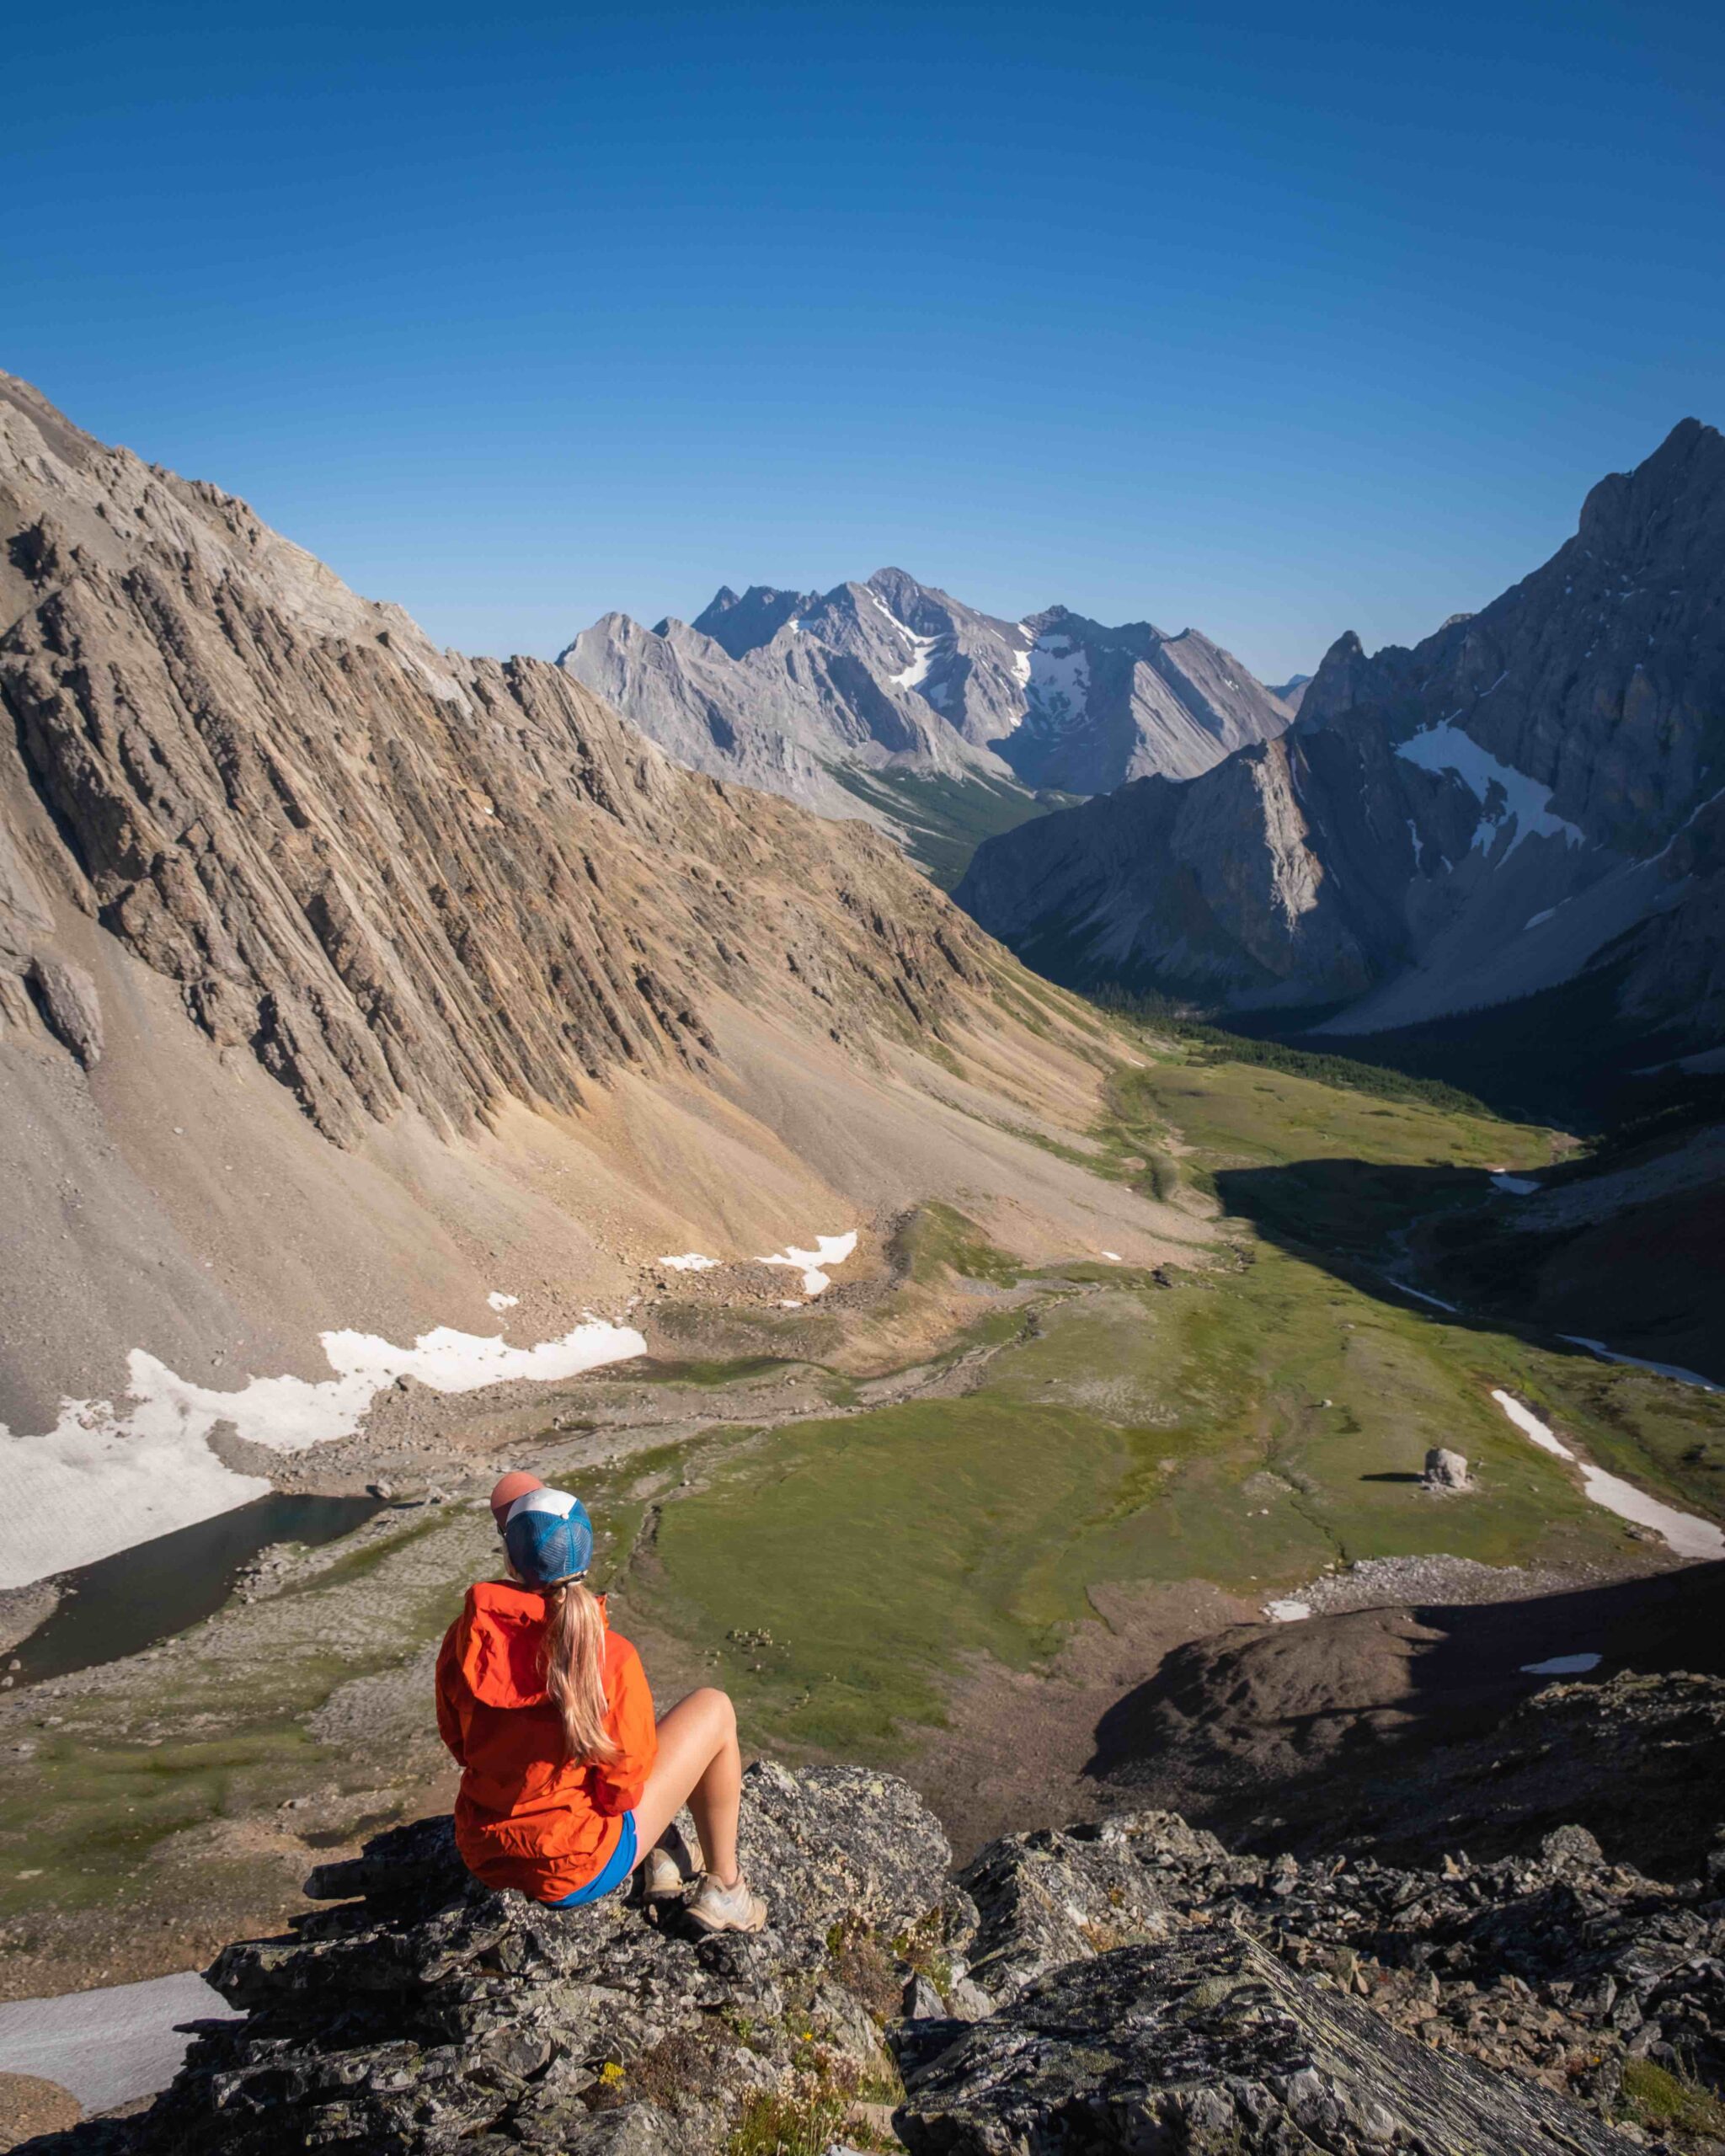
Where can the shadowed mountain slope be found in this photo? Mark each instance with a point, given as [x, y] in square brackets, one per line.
[1531, 792]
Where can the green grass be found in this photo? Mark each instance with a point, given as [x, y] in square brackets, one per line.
[1237, 1114]
[1248, 1426]
[1209, 1045]
[1655, 2097]
[707, 1371]
[1246, 1430]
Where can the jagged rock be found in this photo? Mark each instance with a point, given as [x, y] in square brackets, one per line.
[1445, 1471]
[1047, 1898]
[1208, 2044]
[70, 1006]
[433, 2013]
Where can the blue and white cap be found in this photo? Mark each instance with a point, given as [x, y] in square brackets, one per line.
[548, 1537]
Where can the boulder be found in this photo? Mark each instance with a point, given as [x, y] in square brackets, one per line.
[1445, 1471]
[433, 2015]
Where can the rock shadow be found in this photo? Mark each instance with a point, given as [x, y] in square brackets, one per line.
[1402, 1728]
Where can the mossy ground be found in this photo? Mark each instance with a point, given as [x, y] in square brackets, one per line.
[1654, 2097]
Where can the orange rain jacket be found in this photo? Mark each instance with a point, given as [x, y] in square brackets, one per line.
[528, 1815]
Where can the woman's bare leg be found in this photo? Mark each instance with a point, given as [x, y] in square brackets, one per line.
[700, 1765]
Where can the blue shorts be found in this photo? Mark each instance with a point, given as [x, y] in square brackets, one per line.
[616, 1869]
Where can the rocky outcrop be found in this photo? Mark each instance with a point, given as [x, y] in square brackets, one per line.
[435, 2016]
[1558, 1968]
[1530, 794]
[1130, 1986]
[1209, 2044]
[800, 691]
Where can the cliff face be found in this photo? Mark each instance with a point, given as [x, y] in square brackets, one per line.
[1529, 790]
[1104, 705]
[1599, 677]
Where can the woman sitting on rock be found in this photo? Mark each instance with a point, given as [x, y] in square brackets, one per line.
[566, 1784]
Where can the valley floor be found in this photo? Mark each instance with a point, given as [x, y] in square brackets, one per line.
[947, 1521]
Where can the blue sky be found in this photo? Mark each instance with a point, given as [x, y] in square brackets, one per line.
[1278, 321]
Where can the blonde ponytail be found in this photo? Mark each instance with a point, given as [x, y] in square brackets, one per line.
[574, 1669]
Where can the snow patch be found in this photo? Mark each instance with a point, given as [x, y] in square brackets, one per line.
[1562, 1665]
[1446, 748]
[691, 1261]
[1059, 684]
[109, 2046]
[916, 673]
[1113, 1257]
[102, 1480]
[1688, 1536]
[502, 1302]
[1287, 1613]
[1516, 1186]
[829, 1250]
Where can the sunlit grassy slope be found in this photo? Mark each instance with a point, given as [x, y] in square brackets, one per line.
[1246, 1426]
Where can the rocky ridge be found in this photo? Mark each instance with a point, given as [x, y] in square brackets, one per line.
[1130, 1985]
[1528, 793]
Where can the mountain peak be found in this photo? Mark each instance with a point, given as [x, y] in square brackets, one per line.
[742, 625]
[1685, 477]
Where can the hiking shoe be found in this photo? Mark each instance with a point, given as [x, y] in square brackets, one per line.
[661, 1876]
[714, 1907]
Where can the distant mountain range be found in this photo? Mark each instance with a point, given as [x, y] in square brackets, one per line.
[892, 700]
[1534, 793]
